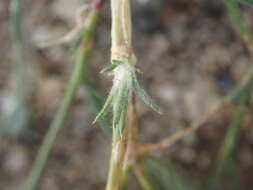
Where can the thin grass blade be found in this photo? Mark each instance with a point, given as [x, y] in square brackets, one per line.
[144, 96]
[164, 176]
[114, 65]
[120, 105]
[231, 139]
[95, 97]
[107, 106]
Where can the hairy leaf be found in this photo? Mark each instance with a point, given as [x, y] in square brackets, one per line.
[108, 104]
[144, 96]
[124, 83]
[111, 67]
[95, 98]
[120, 105]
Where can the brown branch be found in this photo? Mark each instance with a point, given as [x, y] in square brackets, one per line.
[170, 140]
[80, 24]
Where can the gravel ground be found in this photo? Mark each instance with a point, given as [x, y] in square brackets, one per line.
[191, 56]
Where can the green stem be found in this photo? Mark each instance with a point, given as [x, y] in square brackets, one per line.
[245, 89]
[121, 32]
[142, 177]
[19, 76]
[114, 181]
[46, 148]
[121, 43]
[15, 21]
[17, 36]
[232, 137]
[238, 19]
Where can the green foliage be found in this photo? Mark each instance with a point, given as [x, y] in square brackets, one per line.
[144, 96]
[238, 19]
[124, 84]
[248, 2]
[242, 94]
[57, 124]
[15, 113]
[226, 155]
[14, 119]
[164, 176]
[95, 97]
[111, 67]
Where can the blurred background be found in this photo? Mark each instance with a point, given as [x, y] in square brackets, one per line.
[191, 56]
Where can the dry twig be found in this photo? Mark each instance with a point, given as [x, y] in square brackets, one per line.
[79, 26]
[170, 140]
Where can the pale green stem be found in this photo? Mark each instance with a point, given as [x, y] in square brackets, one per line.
[58, 122]
[114, 181]
[15, 20]
[142, 177]
[238, 19]
[121, 29]
[232, 137]
[121, 46]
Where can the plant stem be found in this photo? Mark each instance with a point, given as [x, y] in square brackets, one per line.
[116, 164]
[84, 53]
[121, 47]
[121, 30]
[14, 121]
[232, 137]
[15, 20]
[170, 140]
[238, 19]
[124, 149]
[142, 177]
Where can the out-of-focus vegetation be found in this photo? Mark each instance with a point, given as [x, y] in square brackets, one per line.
[19, 121]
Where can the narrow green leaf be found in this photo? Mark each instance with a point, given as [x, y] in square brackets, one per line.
[108, 68]
[123, 116]
[111, 67]
[228, 148]
[117, 62]
[106, 108]
[238, 18]
[95, 98]
[121, 123]
[120, 103]
[164, 176]
[144, 96]
[73, 46]
[118, 100]
[248, 2]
